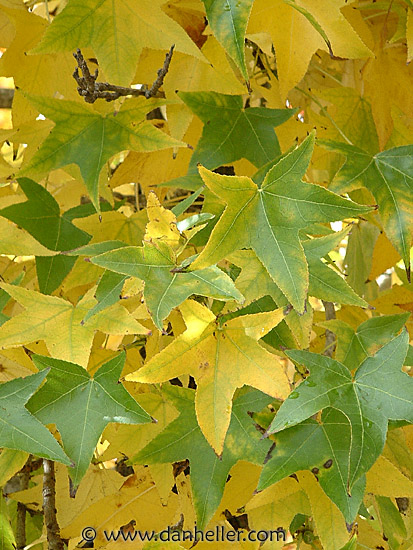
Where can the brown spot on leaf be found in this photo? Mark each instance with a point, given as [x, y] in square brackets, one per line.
[328, 464]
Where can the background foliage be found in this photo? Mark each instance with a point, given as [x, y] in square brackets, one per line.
[185, 272]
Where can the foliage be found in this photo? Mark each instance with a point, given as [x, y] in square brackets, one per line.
[205, 282]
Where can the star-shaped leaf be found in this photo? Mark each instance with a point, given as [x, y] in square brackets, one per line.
[228, 20]
[268, 219]
[221, 359]
[388, 175]
[117, 32]
[232, 132]
[81, 406]
[40, 216]
[87, 138]
[379, 392]
[165, 289]
[59, 324]
[21, 430]
[322, 447]
[182, 439]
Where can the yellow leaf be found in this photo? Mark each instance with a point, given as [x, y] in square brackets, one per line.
[17, 242]
[58, 323]
[384, 256]
[162, 224]
[115, 226]
[11, 461]
[329, 521]
[386, 480]
[296, 39]
[220, 359]
[409, 34]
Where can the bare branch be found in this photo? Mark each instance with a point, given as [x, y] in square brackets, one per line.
[91, 90]
[49, 507]
[24, 476]
[6, 98]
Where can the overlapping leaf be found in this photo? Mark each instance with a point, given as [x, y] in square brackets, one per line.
[228, 20]
[388, 175]
[164, 287]
[82, 406]
[117, 32]
[58, 323]
[182, 439]
[221, 358]
[87, 138]
[268, 219]
[232, 132]
[18, 428]
[379, 392]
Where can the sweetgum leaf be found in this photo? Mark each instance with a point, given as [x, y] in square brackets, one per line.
[221, 358]
[81, 406]
[87, 138]
[21, 430]
[182, 439]
[268, 219]
[165, 289]
[378, 392]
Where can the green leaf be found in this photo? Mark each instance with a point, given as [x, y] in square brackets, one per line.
[107, 292]
[40, 216]
[228, 20]
[273, 214]
[388, 175]
[87, 138]
[21, 430]
[232, 132]
[182, 439]
[7, 540]
[117, 32]
[379, 392]
[325, 283]
[321, 447]
[165, 289]
[354, 346]
[81, 406]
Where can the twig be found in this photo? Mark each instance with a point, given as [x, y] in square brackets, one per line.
[91, 90]
[49, 507]
[330, 345]
[21, 508]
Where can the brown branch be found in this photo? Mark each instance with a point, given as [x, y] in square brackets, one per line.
[49, 507]
[24, 476]
[6, 98]
[330, 344]
[91, 90]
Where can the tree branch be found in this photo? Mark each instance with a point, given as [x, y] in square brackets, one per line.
[24, 476]
[6, 98]
[91, 90]
[49, 507]
[330, 344]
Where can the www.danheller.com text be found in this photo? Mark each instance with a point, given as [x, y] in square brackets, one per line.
[219, 534]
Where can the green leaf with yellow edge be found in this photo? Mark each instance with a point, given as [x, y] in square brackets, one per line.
[164, 287]
[81, 406]
[274, 214]
[221, 359]
[58, 323]
[117, 33]
[388, 175]
[379, 392]
[85, 137]
[19, 429]
[226, 125]
[182, 439]
[228, 20]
